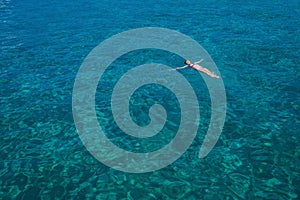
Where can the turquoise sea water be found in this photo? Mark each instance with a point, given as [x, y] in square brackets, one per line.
[255, 45]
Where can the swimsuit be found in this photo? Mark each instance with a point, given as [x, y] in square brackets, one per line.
[191, 65]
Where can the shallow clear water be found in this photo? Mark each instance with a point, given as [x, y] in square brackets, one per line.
[255, 46]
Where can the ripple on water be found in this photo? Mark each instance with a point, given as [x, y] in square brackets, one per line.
[176, 189]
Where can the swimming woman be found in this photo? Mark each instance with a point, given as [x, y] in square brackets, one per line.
[198, 68]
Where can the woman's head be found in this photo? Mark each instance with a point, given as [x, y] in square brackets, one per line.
[187, 62]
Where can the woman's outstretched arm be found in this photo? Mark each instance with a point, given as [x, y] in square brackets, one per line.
[185, 66]
[199, 61]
